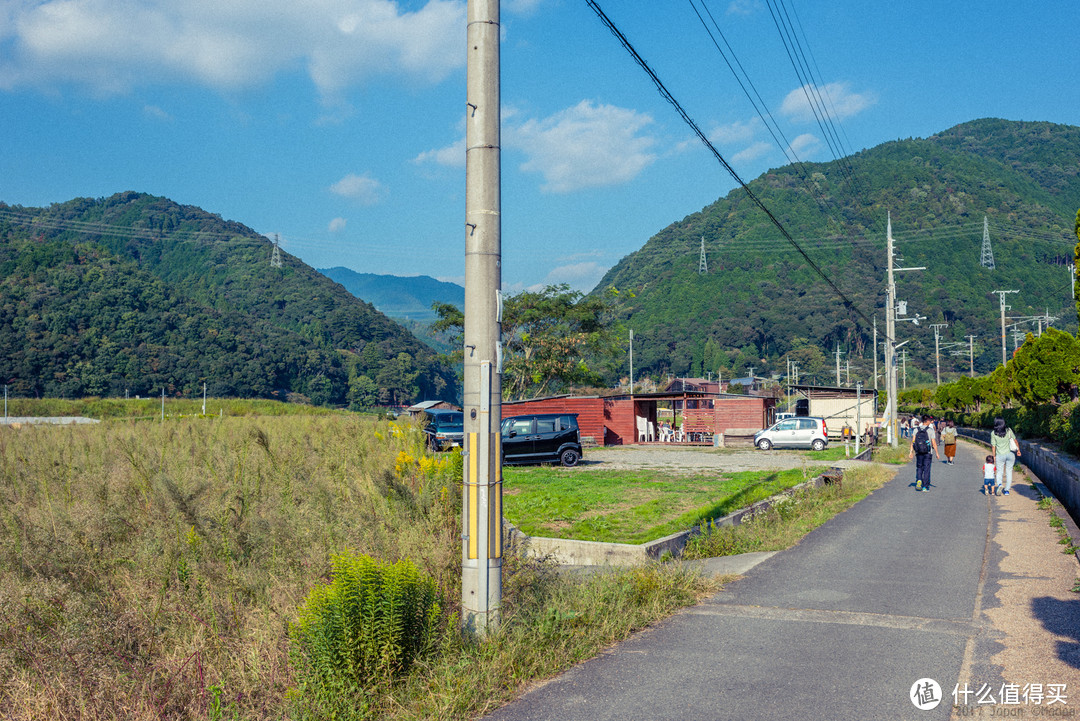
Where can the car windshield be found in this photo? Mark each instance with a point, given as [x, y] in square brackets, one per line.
[450, 423]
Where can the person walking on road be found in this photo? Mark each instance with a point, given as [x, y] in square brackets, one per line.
[948, 439]
[1006, 451]
[923, 449]
[989, 472]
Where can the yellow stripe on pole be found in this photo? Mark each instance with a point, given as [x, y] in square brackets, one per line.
[474, 494]
[498, 495]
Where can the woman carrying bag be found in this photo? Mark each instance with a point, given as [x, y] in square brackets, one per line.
[1003, 441]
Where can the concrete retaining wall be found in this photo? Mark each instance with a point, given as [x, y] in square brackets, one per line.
[1058, 470]
[570, 552]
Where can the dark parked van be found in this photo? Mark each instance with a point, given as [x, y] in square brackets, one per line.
[444, 428]
[541, 438]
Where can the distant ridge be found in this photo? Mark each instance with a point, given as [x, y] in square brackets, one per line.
[759, 301]
[133, 293]
[398, 296]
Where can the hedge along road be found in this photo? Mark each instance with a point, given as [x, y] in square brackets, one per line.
[901, 587]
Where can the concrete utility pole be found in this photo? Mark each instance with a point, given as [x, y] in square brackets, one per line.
[905, 368]
[481, 508]
[890, 343]
[971, 355]
[890, 340]
[1001, 296]
[937, 349]
[631, 367]
[875, 353]
[837, 364]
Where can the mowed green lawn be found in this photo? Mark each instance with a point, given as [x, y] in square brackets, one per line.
[629, 506]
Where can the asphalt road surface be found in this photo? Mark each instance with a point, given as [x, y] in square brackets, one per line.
[841, 626]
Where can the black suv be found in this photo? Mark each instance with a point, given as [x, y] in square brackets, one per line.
[541, 438]
[444, 428]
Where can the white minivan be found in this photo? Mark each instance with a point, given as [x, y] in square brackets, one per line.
[801, 432]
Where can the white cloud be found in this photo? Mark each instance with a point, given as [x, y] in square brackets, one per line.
[156, 113]
[752, 153]
[737, 132]
[805, 145]
[586, 146]
[744, 7]
[336, 225]
[579, 276]
[114, 45]
[452, 156]
[837, 97]
[359, 188]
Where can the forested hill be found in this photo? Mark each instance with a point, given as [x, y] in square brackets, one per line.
[759, 299]
[408, 297]
[132, 293]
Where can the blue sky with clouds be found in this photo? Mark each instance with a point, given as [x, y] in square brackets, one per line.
[339, 124]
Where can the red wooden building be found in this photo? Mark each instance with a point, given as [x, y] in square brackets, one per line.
[622, 419]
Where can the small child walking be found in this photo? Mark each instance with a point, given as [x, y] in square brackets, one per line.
[989, 474]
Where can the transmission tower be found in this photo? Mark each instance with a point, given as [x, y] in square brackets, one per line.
[987, 260]
[275, 259]
[703, 266]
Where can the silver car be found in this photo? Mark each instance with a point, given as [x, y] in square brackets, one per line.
[802, 432]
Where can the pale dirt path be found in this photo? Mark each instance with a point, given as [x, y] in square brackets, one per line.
[1036, 612]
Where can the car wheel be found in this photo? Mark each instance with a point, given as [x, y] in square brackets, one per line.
[764, 444]
[818, 444]
[569, 458]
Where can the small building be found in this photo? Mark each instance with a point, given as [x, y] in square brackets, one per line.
[418, 408]
[625, 419]
[838, 405]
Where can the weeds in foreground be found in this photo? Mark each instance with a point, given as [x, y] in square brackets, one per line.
[149, 571]
[788, 520]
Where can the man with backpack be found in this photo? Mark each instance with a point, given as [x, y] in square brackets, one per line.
[923, 449]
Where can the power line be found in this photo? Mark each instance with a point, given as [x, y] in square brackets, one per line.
[731, 171]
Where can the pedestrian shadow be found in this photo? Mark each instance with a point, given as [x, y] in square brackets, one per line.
[1027, 491]
[1061, 618]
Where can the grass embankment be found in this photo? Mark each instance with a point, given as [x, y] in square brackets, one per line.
[786, 522]
[134, 408]
[150, 571]
[630, 506]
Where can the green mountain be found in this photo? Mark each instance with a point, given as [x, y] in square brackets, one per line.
[408, 297]
[760, 299]
[132, 293]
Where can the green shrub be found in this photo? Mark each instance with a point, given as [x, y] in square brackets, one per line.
[368, 625]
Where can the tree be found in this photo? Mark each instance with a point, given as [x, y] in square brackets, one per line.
[552, 338]
[1047, 368]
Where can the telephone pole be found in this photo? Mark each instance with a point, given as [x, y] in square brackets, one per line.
[890, 340]
[838, 364]
[481, 508]
[1001, 296]
[971, 356]
[937, 349]
[875, 354]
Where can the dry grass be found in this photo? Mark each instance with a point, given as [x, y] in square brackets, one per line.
[149, 570]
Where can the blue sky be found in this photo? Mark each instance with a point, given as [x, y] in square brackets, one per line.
[339, 124]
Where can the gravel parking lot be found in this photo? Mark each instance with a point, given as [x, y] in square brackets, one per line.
[695, 459]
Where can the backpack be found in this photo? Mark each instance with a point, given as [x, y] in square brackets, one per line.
[922, 441]
[948, 436]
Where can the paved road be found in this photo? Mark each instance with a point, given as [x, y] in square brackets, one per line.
[839, 627]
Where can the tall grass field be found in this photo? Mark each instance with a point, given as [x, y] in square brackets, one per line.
[155, 570]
